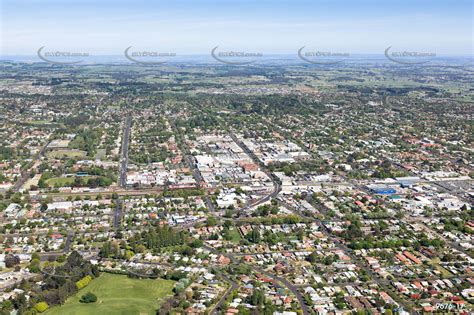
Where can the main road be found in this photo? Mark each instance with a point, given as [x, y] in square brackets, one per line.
[235, 260]
[382, 282]
[124, 152]
[274, 179]
[123, 169]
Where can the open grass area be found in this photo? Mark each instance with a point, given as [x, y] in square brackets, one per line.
[60, 181]
[100, 154]
[58, 154]
[118, 294]
[38, 122]
[435, 263]
[234, 233]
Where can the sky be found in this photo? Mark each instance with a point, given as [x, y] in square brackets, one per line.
[187, 27]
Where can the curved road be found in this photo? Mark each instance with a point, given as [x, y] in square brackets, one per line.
[285, 282]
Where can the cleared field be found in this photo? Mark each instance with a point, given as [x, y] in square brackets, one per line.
[118, 294]
[100, 154]
[435, 263]
[38, 122]
[60, 181]
[58, 154]
[235, 236]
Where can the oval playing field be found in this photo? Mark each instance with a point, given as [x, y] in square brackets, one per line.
[118, 294]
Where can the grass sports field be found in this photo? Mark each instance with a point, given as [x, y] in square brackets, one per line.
[61, 181]
[117, 294]
[63, 153]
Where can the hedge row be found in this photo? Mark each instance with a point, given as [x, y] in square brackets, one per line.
[41, 307]
[83, 282]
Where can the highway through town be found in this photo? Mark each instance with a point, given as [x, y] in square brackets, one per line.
[243, 210]
[274, 179]
[123, 169]
[124, 152]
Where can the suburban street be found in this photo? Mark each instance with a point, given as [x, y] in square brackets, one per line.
[277, 159]
[236, 260]
[25, 175]
[124, 151]
[123, 169]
